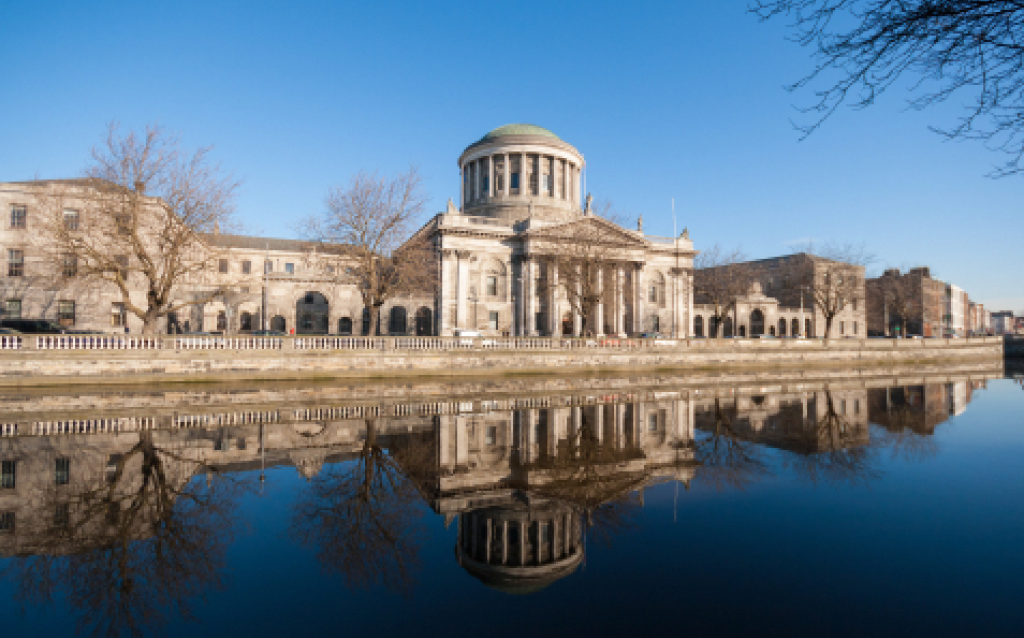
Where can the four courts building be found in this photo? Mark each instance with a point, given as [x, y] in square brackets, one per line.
[524, 254]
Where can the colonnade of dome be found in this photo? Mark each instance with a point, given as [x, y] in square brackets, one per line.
[518, 166]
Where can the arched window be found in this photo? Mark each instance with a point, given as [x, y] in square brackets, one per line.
[698, 326]
[278, 323]
[796, 327]
[312, 312]
[807, 328]
[345, 326]
[782, 327]
[396, 322]
[756, 323]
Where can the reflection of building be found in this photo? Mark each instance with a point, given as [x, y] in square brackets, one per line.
[805, 422]
[920, 408]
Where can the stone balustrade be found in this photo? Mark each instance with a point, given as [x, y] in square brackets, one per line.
[426, 344]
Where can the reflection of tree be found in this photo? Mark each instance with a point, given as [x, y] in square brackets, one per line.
[130, 545]
[584, 474]
[363, 518]
[725, 458]
[905, 427]
[843, 459]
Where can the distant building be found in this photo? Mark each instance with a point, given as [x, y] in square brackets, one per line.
[956, 312]
[780, 304]
[1003, 322]
[926, 313]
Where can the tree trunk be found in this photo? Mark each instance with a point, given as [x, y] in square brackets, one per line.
[828, 326]
[374, 320]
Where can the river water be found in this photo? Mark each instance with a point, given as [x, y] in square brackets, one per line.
[840, 504]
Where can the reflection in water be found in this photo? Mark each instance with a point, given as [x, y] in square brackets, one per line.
[125, 525]
[120, 531]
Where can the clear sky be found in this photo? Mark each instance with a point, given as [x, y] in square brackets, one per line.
[665, 100]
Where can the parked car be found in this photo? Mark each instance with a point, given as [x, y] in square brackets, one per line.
[32, 326]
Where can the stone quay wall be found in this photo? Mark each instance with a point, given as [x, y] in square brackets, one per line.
[58, 360]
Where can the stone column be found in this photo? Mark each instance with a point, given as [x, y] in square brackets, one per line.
[522, 543]
[577, 317]
[443, 449]
[462, 188]
[599, 310]
[478, 179]
[599, 423]
[461, 443]
[639, 324]
[678, 307]
[462, 290]
[443, 327]
[507, 186]
[531, 297]
[555, 320]
[504, 542]
[487, 541]
[620, 306]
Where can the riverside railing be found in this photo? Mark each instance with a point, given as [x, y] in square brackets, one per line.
[438, 344]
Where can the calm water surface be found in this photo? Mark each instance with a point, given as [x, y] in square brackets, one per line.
[879, 507]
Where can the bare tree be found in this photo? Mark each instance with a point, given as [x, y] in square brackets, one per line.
[902, 299]
[953, 47]
[842, 457]
[720, 278]
[365, 238]
[138, 221]
[580, 256]
[724, 457]
[835, 280]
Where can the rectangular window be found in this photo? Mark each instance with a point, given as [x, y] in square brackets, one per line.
[655, 323]
[652, 422]
[514, 179]
[62, 471]
[6, 522]
[12, 309]
[491, 435]
[486, 184]
[122, 266]
[70, 219]
[69, 265]
[19, 213]
[268, 266]
[289, 268]
[66, 313]
[854, 327]
[246, 267]
[856, 406]
[15, 263]
[653, 296]
[123, 223]
[492, 286]
[8, 474]
[61, 516]
[492, 321]
[117, 314]
[842, 327]
[222, 265]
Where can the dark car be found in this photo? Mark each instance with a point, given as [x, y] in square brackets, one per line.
[32, 326]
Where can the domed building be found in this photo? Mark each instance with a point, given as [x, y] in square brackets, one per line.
[524, 253]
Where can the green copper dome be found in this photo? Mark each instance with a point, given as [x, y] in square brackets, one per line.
[518, 129]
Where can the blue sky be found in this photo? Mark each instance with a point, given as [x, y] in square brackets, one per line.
[665, 100]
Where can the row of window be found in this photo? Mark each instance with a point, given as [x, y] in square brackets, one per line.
[19, 219]
[11, 309]
[223, 266]
[9, 473]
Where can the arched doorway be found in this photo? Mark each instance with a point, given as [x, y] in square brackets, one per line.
[796, 327]
[698, 326]
[756, 323]
[345, 326]
[312, 313]
[278, 323]
[727, 327]
[424, 322]
[782, 327]
[397, 323]
[743, 331]
[245, 322]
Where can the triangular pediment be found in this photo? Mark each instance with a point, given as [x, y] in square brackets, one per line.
[588, 228]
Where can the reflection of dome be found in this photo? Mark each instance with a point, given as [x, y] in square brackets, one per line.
[518, 129]
[520, 549]
[308, 462]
